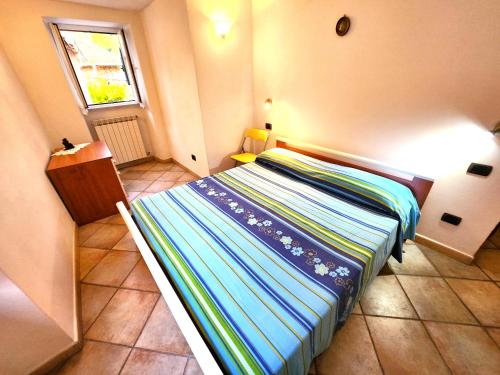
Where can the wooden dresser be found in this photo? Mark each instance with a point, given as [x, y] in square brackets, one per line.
[87, 182]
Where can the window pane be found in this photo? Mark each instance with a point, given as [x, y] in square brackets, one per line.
[99, 65]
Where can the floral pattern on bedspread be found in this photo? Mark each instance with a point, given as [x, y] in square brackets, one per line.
[279, 233]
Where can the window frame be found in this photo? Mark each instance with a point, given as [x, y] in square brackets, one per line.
[56, 29]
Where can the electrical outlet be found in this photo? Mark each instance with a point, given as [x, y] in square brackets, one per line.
[269, 126]
[480, 169]
[451, 219]
[193, 156]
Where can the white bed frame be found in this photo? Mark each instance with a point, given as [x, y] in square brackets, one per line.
[204, 356]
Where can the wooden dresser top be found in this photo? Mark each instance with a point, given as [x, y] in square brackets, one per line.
[92, 152]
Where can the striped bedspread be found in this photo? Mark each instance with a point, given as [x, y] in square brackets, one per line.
[268, 266]
[358, 187]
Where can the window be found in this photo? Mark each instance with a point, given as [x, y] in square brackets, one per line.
[99, 64]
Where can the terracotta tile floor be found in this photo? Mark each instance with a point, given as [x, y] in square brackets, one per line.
[430, 315]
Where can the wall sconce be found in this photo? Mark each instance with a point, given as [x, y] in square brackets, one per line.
[222, 26]
[268, 104]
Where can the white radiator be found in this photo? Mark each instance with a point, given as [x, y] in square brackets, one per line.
[123, 137]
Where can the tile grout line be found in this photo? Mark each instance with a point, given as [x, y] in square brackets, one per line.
[479, 325]
[484, 327]
[80, 226]
[116, 288]
[185, 366]
[359, 302]
[430, 262]
[463, 303]
[106, 304]
[100, 312]
[491, 337]
[128, 274]
[158, 179]
[121, 287]
[479, 266]
[158, 298]
[482, 270]
[90, 326]
[130, 251]
[428, 320]
[95, 265]
[121, 238]
[488, 278]
[94, 222]
[423, 324]
[449, 286]
[100, 260]
[116, 291]
[373, 344]
[101, 285]
[105, 248]
[145, 349]
[140, 333]
[456, 277]
[437, 348]
[368, 326]
[437, 276]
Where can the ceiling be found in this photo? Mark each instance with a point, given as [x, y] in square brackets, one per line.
[116, 4]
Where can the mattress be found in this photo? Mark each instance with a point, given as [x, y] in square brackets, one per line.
[268, 265]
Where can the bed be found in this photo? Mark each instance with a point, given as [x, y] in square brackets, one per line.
[262, 263]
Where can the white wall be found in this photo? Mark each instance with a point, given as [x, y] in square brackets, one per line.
[167, 33]
[30, 342]
[36, 230]
[225, 75]
[205, 82]
[414, 83]
[28, 45]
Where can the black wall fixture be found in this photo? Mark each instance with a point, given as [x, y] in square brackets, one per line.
[451, 219]
[480, 169]
[343, 25]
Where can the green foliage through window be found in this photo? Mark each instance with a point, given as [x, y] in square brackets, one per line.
[101, 91]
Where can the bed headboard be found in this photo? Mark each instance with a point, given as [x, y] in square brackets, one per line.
[420, 186]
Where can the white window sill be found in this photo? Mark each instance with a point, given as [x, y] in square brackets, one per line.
[114, 105]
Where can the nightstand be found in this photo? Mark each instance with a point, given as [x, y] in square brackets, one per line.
[88, 183]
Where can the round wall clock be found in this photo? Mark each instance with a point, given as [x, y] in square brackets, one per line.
[343, 25]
